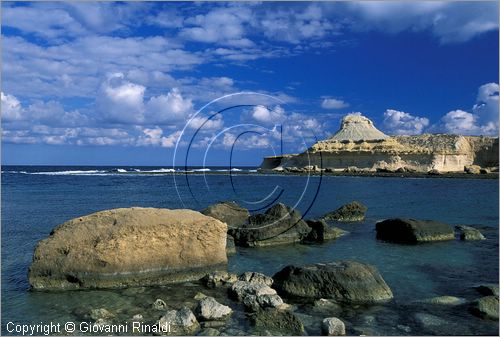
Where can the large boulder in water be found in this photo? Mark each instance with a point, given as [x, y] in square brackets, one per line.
[129, 246]
[280, 224]
[413, 231]
[486, 307]
[353, 211]
[343, 281]
[229, 212]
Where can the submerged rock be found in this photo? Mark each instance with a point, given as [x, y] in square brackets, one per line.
[279, 322]
[129, 246]
[230, 246]
[229, 212]
[445, 300]
[258, 278]
[332, 326]
[486, 307]
[413, 231]
[182, 322]
[159, 304]
[209, 332]
[467, 233]
[218, 278]
[345, 281]
[321, 231]
[100, 314]
[280, 224]
[353, 211]
[209, 309]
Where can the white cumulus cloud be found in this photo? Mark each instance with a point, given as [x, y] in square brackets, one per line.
[333, 103]
[482, 120]
[403, 123]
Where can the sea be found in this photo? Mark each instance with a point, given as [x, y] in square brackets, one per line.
[37, 198]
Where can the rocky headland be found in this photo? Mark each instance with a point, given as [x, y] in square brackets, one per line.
[360, 148]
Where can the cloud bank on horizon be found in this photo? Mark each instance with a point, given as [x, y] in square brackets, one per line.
[134, 74]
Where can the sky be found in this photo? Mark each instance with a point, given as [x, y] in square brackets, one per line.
[215, 83]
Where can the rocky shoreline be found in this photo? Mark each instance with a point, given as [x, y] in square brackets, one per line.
[117, 248]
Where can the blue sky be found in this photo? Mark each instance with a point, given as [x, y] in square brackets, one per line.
[134, 83]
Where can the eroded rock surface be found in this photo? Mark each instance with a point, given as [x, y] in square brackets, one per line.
[353, 211]
[129, 246]
[344, 281]
[280, 224]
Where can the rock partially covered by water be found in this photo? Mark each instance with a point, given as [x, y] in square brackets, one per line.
[218, 278]
[445, 300]
[253, 277]
[129, 246]
[277, 322]
[413, 231]
[181, 322]
[345, 281]
[486, 307]
[353, 211]
[280, 224]
[488, 289]
[229, 212]
[332, 326]
[255, 296]
[209, 309]
[467, 233]
[321, 231]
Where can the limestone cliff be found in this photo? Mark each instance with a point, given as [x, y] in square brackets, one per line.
[359, 144]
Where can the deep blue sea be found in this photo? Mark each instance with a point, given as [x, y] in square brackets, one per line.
[36, 199]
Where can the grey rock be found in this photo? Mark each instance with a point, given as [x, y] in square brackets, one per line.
[229, 212]
[240, 289]
[100, 314]
[467, 233]
[486, 307]
[280, 224]
[209, 309]
[353, 211]
[159, 304]
[332, 326]
[182, 321]
[255, 295]
[274, 321]
[253, 277]
[199, 296]
[344, 281]
[218, 278]
[411, 231]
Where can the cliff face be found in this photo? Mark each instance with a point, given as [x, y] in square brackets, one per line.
[422, 153]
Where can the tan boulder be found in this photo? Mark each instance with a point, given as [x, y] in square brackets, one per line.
[129, 246]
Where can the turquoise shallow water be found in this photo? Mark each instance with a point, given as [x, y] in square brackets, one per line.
[32, 204]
